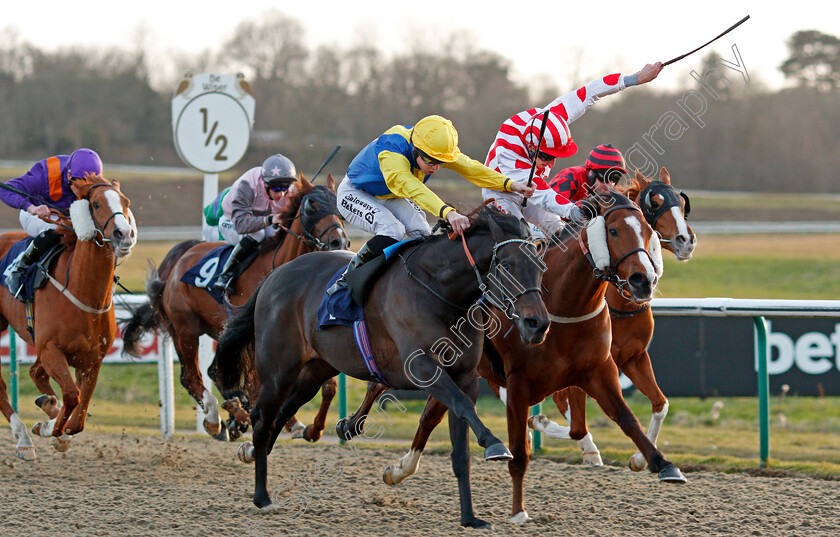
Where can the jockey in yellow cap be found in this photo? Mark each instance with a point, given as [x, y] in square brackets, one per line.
[385, 192]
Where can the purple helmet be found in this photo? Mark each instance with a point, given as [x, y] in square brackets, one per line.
[84, 161]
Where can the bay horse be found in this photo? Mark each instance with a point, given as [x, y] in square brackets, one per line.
[74, 321]
[436, 287]
[665, 210]
[186, 312]
[617, 248]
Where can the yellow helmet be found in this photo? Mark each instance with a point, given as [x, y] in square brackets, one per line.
[437, 137]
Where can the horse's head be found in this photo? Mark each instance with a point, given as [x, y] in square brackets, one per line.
[102, 214]
[666, 210]
[319, 217]
[623, 247]
[515, 275]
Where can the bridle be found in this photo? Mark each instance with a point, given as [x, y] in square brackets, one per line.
[309, 217]
[100, 239]
[671, 197]
[506, 302]
[610, 273]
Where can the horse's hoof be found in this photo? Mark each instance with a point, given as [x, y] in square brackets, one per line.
[478, 524]
[61, 444]
[593, 458]
[36, 429]
[341, 428]
[41, 399]
[212, 428]
[387, 477]
[245, 453]
[264, 502]
[49, 404]
[297, 430]
[222, 435]
[497, 452]
[308, 434]
[538, 422]
[637, 462]
[25, 453]
[234, 431]
[671, 474]
[520, 518]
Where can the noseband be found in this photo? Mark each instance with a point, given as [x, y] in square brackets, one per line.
[100, 230]
[610, 274]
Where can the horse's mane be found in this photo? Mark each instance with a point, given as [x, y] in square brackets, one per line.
[288, 214]
[595, 203]
[479, 221]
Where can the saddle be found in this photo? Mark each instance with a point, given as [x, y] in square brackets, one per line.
[36, 274]
[197, 275]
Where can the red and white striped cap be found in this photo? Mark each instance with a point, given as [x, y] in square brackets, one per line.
[557, 139]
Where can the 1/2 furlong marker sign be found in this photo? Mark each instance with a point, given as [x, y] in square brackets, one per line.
[212, 116]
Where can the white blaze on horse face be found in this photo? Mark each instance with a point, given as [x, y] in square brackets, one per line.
[682, 227]
[634, 223]
[120, 220]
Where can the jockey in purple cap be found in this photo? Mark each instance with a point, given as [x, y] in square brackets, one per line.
[47, 182]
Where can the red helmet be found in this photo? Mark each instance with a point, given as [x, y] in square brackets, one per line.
[557, 139]
[604, 158]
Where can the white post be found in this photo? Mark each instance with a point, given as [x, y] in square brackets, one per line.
[211, 189]
[205, 358]
[166, 387]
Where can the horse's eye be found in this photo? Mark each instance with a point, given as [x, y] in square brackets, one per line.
[613, 232]
[96, 205]
[654, 204]
[308, 209]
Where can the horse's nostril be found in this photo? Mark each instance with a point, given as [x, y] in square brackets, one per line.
[118, 234]
[679, 239]
[637, 279]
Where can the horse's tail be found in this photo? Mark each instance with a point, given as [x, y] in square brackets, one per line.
[150, 317]
[233, 347]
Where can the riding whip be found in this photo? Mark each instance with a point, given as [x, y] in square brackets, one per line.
[329, 158]
[33, 197]
[678, 58]
[539, 145]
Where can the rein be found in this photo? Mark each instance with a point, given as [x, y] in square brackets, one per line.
[507, 301]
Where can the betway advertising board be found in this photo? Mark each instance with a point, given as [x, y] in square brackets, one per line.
[707, 356]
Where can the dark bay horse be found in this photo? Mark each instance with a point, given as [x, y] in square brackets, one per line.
[614, 247]
[186, 312]
[74, 321]
[408, 314]
[665, 209]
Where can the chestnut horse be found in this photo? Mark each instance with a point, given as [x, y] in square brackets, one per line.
[665, 210]
[410, 307]
[74, 321]
[186, 312]
[618, 247]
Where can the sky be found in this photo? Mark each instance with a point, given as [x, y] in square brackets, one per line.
[565, 43]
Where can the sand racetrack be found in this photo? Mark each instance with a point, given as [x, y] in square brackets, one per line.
[191, 486]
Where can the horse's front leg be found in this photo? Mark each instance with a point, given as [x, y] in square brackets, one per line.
[602, 385]
[517, 417]
[55, 364]
[639, 370]
[87, 383]
[426, 373]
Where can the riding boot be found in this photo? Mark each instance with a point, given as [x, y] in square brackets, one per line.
[246, 245]
[40, 244]
[371, 250]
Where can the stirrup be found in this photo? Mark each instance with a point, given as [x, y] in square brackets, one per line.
[222, 286]
[339, 284]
